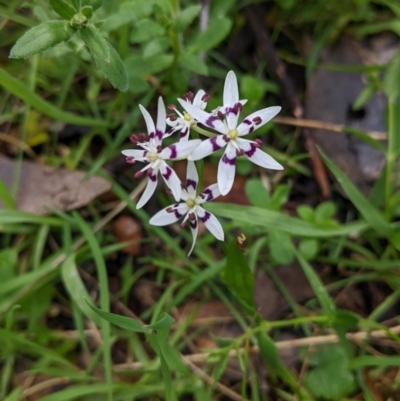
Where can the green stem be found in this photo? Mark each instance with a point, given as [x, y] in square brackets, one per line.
[203, 131]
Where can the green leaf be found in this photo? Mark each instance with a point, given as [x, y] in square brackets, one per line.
[124, 322]
[280, 247]
[139, 67]
[391, 80]
[324, 211]
[257, 194]
[251, 215]
[212, 36]
[95, 41]
[193, 63]
[236, 274]
[280, 196]
[145, 30]
[114, 70]
[308, 248]
[331, 378]
[63, 9]
[186, 17]
[76, 289]
[372, 360]
[95, 4]
[87, 11]
[306, 213]
[8, 263]
[41, 37]
[20, 90]
[165, 321]
[76, 4]
[268, 351]
[372, 215]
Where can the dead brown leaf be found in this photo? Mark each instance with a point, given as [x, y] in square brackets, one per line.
[44, 187]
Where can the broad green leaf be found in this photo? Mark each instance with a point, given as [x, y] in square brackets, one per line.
[20, 90]
[139, 67]
[308, 248]
[15, 395]
[63, 9]
[95, 41]
[124, 322]
[268, 351]
[145, 30]
[41, 37]
[95, 4]
[324, 211]
[279, 221]
[306, 213]
[280, 196]
[237, 276]
[372, 215]
[391, 80]
[193, 63]
[186, 17]
[76, 289]
[212, 36]
[76, 4]
[280, 247]
[165, 321]
[87, 11]
[155, 47]
[256, 193]
[114, 70]
[330, 378]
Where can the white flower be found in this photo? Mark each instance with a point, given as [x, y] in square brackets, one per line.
[183, 122]
[226, 123]
[191, 208]
[153, 154]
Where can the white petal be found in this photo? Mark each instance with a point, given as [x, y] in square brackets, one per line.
[261, 158]
[226, 170]
[151, 129]
[172, 131]
[135, 153]
[198, 102]
[209, 193]
[207, 119]
[163, 218]
[149, 191]
[192, 178]
[232, 115]
[248, 125]
[231, 90]
[161, 117]
[194, 226]
[211, 222]
[172, 180]
[207, 147]
[179, 150]
[184, 135]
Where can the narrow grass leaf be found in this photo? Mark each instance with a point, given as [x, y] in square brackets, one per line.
[76, 289]
[164, 321]
[20, 90]
[372, 215]
[318, 287]
[16, 217]
[6, 196]
[41, 37]
[371, 360]
[123, 322]
[268, 219]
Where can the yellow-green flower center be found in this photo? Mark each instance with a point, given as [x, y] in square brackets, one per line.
[152, 157]
[233, 134]
[190, 202]
[187, 116]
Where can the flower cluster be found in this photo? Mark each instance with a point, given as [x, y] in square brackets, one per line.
[226, 132]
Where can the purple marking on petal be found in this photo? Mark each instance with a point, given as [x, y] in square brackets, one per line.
[214, 144]
[227, 160]
[167, 174]
[153, 177]
[210, 121]
[158, 134]
[248, 122]
[193, 223]
[206, 216]
[152, 135]
[208, 194]
[174, 153]
[232, 110]
[251, 129]
[191, 183]
[251, 151]
[183, 133]
[177, 214]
